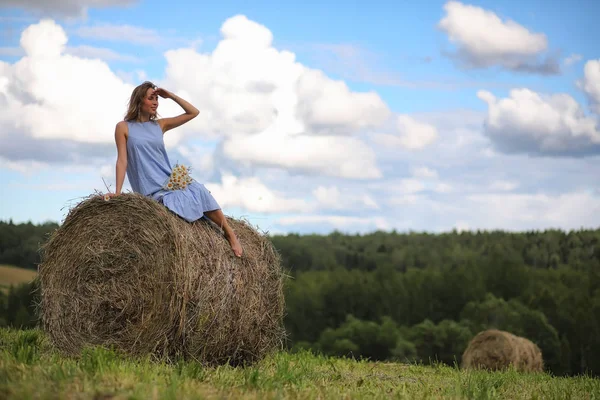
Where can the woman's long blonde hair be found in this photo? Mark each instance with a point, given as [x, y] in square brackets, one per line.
[138, 94]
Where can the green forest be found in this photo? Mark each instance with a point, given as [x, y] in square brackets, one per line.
[412, 297]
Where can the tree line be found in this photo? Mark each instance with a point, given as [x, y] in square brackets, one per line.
[420, 297]
[20, 243]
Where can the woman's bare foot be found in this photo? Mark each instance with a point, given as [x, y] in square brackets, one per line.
[218, 218]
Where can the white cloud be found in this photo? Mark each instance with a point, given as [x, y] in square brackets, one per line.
[485, 210]
[330, 197]
[528, 122]
[272, 111]
[459, 139]
[335, 156]
[484, 39]
[52, 95]
[369, 202]
[404, 188]
[502, 185]
[240, 28]
[404, 200]
[411, 134]
[267, 109]
[591, 83]
[252, 195]
[423, 207]
[241, 86]
[329, 106]
[245, 83]
[262, 108]
[407, 186]
[424, 172]
[26, 167]
[534, 211]
[443, 188]
[65, 8]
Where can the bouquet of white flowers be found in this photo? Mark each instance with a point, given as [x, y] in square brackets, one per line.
[179, 179]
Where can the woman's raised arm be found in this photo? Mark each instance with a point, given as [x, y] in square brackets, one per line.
[191, 112]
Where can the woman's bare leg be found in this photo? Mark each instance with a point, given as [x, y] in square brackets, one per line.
[218, 218]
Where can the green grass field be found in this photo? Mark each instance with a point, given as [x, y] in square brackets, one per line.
[10, 275]
[29, 368]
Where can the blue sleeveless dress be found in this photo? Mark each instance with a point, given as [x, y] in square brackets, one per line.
[148, 168]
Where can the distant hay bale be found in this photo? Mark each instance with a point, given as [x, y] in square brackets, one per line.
[496, 350]
[129, 273]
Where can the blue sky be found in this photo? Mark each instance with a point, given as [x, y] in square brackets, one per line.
[448, 143]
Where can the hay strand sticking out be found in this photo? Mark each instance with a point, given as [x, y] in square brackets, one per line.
[497, 350]
[129, 273]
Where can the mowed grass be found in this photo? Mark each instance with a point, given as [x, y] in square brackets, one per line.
[10, 275]
[30, 368]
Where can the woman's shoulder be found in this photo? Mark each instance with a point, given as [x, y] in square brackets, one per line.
[122, 128]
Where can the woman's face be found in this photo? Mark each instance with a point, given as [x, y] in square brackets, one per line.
[150, 102]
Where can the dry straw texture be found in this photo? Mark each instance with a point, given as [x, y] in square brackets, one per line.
[496, 350]
[129, 273]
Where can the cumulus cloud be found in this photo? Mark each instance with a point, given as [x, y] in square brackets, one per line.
[504, 186]
[424, 172]
[63, 8]
[529, 122]
[263, 107]
[485, 210]
[591, 84]
[288, 133]
[341, 157]
[254, 196]
[331, 197]
[443, 188]
[246, 83]
[410, 134]
[24, 167]
[48, 94]
[572, 210]
[267, 109]
[271, 110]
[400, 188]
[483, 39]
[329, 106]
[408, 186]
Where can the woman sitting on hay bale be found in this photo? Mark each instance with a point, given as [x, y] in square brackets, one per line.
[142, 155]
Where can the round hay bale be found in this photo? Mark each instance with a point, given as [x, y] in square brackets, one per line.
[131, 274]
[496, 350]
